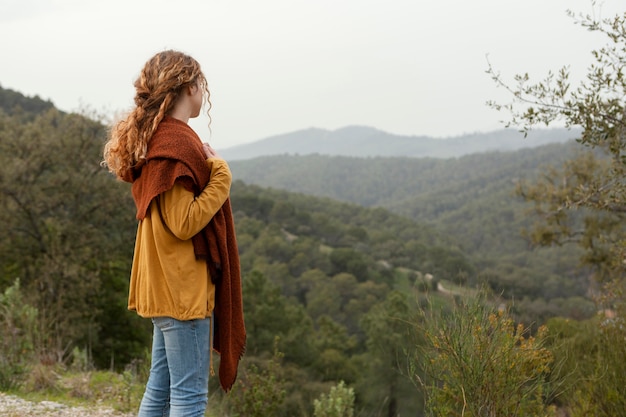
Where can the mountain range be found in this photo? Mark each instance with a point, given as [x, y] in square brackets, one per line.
[362, 141]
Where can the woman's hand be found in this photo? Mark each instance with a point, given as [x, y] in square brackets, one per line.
[210, 152]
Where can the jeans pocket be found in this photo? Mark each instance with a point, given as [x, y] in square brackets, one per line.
[163, 322]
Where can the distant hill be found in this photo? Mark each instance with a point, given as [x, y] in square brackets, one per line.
[360, 141]
[460, 195]
[425, 189]
[471, 199]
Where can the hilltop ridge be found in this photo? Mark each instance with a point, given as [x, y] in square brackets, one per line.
[363, 141]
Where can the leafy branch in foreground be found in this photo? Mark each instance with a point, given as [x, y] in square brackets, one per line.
[596, 105]
[585, 200]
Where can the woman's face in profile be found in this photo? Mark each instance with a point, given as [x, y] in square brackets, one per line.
[196, 99]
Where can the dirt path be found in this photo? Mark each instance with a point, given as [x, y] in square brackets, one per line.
[12, 406]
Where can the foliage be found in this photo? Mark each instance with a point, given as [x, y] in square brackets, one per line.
[339, 402]
[65, 226]
[477, 362]
[121, 391]
[12, 102]
[583, 201]
[18, 321]
[69, 232]
[476, 208]
[271, 319]
[389, 327]
[330, 279]
[593, 372]
[259, 392]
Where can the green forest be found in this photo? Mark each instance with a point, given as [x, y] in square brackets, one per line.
[471, 199]
[485, 285]
[313, 269]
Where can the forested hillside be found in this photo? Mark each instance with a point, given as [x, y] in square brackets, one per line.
[317, 273]
[333, 286]
[14, 102]
[398, 182]
[372, 286]
[470, 199]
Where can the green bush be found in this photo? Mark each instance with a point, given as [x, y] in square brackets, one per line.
[338, 403]
[477, 362]
[259, 392]
[18, 324]
[593, 352]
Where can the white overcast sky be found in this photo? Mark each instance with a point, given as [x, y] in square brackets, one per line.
[407, 67]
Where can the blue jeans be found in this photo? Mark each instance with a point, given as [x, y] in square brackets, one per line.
[178, 385]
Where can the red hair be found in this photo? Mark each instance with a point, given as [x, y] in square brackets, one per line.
[157, 90]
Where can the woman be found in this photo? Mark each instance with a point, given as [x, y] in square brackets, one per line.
[185, 263]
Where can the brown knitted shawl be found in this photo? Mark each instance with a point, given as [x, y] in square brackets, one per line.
[175, 153]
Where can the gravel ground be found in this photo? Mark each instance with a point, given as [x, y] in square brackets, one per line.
[11, 406]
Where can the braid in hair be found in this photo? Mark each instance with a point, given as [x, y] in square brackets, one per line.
[157, 90]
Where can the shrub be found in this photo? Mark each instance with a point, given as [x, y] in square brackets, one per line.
[338, 403]
[18, 322]
[477, 362]
[259, 392]
[594, 352]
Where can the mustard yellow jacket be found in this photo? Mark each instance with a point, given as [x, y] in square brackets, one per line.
[166, 278]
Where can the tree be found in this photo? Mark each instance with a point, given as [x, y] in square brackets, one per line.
[65, 225]
[18, 322]
[13, 102]
[390, 334]
[584, 201]
[269, 315]
[333, 347]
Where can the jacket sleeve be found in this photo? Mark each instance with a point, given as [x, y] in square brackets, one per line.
[186, 215]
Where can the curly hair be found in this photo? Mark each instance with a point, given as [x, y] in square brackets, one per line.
[160, 83]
